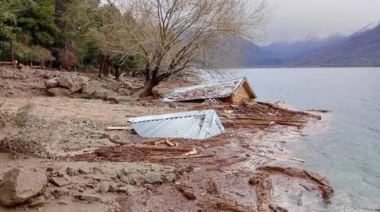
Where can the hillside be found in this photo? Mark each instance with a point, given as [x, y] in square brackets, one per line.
[293, 50]
[362, 49]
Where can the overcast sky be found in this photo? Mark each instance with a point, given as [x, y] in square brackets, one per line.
[298, 19]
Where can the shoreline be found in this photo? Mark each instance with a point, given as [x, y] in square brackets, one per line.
[221, 181]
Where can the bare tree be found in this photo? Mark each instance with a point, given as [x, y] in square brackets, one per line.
[177, 35]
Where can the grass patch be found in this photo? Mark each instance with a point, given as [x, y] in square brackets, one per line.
[19, 145]
[18, 119]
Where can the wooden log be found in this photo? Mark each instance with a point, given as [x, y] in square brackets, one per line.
[265, 122]
[296, 159]
[118, 128]
[161, 148]
[180, 157]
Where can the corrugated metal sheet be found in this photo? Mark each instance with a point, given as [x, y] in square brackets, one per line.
[208, 91]
[193, 125]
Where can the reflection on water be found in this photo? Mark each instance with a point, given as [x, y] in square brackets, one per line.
[345, 146]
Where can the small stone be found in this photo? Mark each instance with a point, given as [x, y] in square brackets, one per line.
[37, 202]
[128, 180]
[170, 177]
[57, 193]
[113, 187]
[62, 202]
[153, 178]
[113, 100]
[84, 170]
[89, 197]
[90, 185]
[99, 169]
[61, 172]
[59, 181]
[104, 187]
[71, 172]
[122, 189]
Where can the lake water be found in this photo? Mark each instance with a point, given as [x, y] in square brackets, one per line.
[346, 146]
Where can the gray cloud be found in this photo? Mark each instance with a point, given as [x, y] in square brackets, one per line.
[299, 19]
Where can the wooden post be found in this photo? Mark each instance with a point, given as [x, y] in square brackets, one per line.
[12, 55]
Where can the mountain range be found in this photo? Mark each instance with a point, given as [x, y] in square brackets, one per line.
[361, 49]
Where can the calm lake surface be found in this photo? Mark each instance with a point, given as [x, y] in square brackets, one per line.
[346, 146]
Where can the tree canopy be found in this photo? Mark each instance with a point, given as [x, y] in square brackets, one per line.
[162, 38]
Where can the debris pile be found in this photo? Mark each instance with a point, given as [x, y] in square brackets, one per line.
[259, 114]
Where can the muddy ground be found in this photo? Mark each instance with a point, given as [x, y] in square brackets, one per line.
[66, 138]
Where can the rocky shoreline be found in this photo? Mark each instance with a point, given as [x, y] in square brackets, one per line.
[86, 170]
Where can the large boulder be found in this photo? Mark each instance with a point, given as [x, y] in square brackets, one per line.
[51, 83]
[58, 92]
[66, 82]
[19, 186]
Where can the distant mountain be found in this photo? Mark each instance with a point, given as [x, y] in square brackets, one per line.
[255, 56]
[360, 49]
[292, 50]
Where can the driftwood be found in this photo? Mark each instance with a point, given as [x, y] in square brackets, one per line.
[161, 148]
[186, 192]
[263, 190]
[296, 159]
[118, 128]
[276, 208]
[288, 111]
[319, 111]
[322, 184]
[264, 122]
[219, 204]
[299, 199]
[180, 157]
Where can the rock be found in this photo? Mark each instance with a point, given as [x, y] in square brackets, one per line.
[61, 171]
[88, 89]
[59, 181]
[58, 92]
[63, 202]
[84, 170]
[65, 82]
[19, 186]
[122, 189]
[153, 178]
[113, 187]
[51, 83]
[128, 180]
[113, 100]
[89, 197]
[37, 202]
[99, 169]
[71, 172]
[57, 193]
[100, 94]
[170, 177]
[104, 187]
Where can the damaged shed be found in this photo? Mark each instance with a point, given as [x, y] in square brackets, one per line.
[232, 92]
[192, 125]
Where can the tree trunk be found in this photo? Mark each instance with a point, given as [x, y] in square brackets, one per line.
[102, 63]
[12, 53]
[106, 66]
[117, 72]
[148, 89]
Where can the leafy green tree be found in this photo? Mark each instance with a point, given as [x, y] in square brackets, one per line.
[8, 28]
[37, 21]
